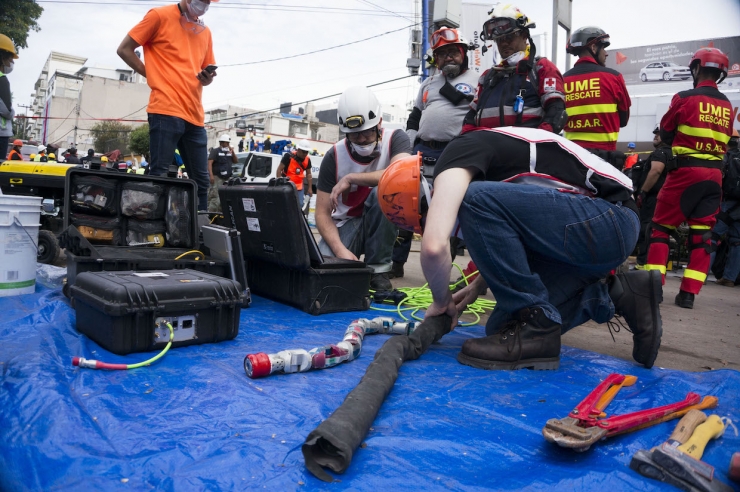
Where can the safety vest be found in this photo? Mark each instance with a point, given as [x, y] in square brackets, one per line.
[3, 121]
[594, 96]
[13, 153]
[296, 170]
[38, 158]
[140, 170]
[701, 121]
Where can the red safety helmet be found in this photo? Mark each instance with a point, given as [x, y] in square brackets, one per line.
[404, 194]
[711, 58]
[17, 143]
[446, 36]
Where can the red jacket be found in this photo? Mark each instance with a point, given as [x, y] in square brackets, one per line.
[597, 103]
[699, 123]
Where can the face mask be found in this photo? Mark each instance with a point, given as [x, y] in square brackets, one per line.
[196, 8]
[515, 58]
[452, 70]
[8, 68]
[364, 150]
[225, 148]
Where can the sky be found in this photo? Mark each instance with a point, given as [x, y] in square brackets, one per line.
[245, 32]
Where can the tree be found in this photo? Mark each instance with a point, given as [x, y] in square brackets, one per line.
[17, 18]
[139, 139]
[110, 135]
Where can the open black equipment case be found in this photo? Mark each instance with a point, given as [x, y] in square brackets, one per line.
[130, 222]
[284, 262]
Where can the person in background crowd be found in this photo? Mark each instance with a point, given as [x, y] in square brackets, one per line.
[8, 55]
[268, 145]
[219, 169]
[144, 159]
[123, 166]
[241, 145]
[72, 157]
[294, 165]
[251, 143]
[348, 215]
[52, 157]
[631, 158]
[647, 192]
[441, 105]
[41, 154]
[693, 188]
[15, 152]
[728, 220]
[175, 105]
[596, 97]
[87, 160]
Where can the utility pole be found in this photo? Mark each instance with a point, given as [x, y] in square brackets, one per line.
[77, 113]
[24, 134]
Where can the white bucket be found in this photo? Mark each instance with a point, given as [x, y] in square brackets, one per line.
[312, 211]
[19, 232]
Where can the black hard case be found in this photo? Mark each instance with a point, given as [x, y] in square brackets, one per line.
[279, 266]
[82, 256]
[118, 310]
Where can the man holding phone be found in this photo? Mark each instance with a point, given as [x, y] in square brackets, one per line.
[178, 50]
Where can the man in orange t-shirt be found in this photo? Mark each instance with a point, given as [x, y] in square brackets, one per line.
[178, 50]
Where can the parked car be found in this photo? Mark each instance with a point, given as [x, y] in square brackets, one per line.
[260, 167]
[664, 71]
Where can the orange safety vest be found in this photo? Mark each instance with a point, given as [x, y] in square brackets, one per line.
[11, 158]
[630, 161]
[296, 170]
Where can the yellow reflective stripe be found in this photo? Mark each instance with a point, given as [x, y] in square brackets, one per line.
[690, 152]
[592, 137]
[700, 227]
[704, 133]
[591, 108]
[694, 275]
[660, 268]
[667, 226]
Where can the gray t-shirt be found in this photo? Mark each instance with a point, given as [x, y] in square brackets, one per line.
[441, 121]
[328, 174]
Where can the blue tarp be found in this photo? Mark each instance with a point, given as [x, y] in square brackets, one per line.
[194, 421]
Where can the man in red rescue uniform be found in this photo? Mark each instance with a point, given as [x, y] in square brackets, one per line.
[698, 126]
[296, 165]
[596, 97]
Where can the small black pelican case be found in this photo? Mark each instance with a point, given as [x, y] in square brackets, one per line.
[126, 312]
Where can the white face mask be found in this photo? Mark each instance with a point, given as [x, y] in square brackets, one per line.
[196, 8]
[8, 68]
[364, 150]
[515, 58]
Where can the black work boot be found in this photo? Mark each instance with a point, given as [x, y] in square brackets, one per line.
[685, 299]
[379, 282]
[531, 341]
[636, 296]
[396, 270]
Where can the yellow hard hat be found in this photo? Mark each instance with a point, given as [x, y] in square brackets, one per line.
[104, 159]
[7, 45]
[32, 156]
[52, 156]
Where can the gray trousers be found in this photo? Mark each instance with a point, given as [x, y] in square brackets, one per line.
[371, 234]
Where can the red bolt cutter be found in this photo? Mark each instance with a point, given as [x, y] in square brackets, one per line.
[584, 425]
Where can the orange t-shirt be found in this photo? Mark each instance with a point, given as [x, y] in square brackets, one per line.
[630, 161]
[173, 58]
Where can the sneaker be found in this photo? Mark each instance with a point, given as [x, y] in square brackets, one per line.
[636, 296]
[639, 266]
[531, 341]
[396, 270]
[685, 299]
[379, 281]
[725, 282]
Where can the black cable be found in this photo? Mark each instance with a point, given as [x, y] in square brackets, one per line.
[318, 51]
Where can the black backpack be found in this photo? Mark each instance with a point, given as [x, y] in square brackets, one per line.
[731, 179]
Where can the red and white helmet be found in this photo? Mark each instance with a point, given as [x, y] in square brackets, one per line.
[711, 58]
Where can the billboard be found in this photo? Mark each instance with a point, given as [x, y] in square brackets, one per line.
[668, 62]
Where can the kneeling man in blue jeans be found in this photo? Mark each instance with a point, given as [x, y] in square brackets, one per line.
[546, 222]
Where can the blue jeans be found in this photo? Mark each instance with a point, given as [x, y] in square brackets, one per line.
[167, 133]
[371, 234]
[732, 267]
[540, 247]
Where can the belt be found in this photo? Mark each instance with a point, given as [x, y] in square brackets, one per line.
[694, 162]
[433, 144]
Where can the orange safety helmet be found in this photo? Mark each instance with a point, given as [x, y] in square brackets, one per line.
[404, 194]
[17, 143]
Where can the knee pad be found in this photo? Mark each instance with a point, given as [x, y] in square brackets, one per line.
[704, 235]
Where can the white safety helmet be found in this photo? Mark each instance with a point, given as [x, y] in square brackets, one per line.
[358, 110]
[224, 138]
[41, 148]
[505, 18]
[304, 145]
